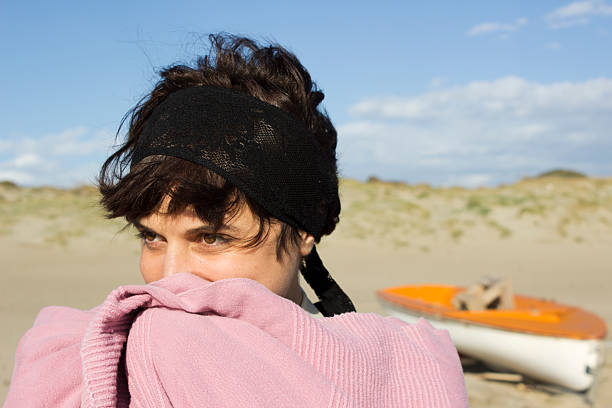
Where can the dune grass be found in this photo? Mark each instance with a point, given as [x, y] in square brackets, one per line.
[51, 215]
[555, 206]
[403, 215]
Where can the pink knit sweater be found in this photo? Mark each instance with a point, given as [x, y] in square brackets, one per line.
[188, 342]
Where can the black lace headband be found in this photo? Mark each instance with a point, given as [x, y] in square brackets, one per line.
[265, 152]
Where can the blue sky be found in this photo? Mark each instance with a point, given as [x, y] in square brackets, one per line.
[469, 93]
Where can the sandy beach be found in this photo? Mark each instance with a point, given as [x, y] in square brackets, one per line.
[552, 237]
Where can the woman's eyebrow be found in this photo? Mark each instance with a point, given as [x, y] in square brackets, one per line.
[210, 229]
[192, 231]
[141, 227]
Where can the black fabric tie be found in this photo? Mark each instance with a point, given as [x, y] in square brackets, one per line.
[332, 299]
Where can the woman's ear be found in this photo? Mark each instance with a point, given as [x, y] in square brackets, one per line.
[306, 243]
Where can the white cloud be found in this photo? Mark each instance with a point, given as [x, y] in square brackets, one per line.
[469, 180]
[495, 27]
[27, 160]
[504, 129]
[577, 13]
[510, 95]
[66, 158]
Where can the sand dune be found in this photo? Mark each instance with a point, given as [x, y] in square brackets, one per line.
[551, 236]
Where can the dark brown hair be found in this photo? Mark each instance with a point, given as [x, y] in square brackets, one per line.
[269, 73]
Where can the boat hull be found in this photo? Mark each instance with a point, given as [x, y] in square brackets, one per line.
[571, 363]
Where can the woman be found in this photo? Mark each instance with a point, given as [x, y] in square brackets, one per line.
[229, 174]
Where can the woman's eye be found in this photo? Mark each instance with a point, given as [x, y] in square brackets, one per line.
[147, 236]
[213, 239]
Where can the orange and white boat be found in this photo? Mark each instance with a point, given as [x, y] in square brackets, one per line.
[541, 339]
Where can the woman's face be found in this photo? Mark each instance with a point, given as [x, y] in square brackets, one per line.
[184, 243]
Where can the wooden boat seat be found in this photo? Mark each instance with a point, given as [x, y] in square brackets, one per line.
[489, 293]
